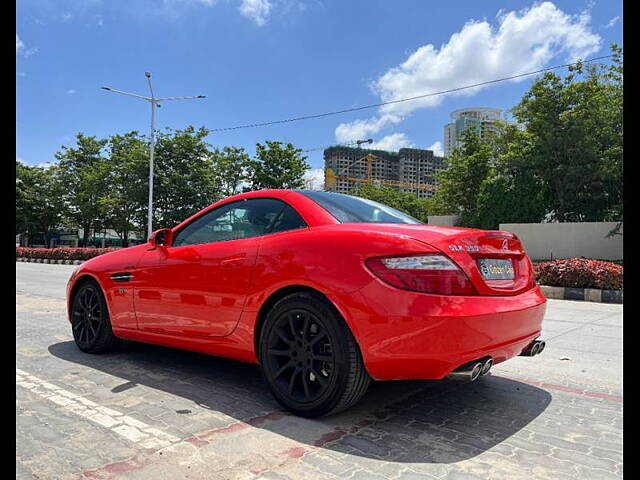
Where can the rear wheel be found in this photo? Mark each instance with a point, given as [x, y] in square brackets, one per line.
[90, 321]
[309, 357]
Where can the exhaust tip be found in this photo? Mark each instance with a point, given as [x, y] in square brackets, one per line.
[541, 346]
[477, 370]
[535, 349]
[486, 366]
[467, 373]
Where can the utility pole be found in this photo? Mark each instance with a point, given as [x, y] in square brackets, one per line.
[155, 102]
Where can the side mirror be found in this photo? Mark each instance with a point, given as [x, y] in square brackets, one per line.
[161, 238]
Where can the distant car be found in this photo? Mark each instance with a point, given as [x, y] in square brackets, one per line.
[325, 291]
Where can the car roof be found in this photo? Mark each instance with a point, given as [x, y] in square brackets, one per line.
[312, 213]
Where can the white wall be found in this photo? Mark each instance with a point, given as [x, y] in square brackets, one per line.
[543, 241]
[443, 220]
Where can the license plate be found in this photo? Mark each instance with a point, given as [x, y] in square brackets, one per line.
[496, 269]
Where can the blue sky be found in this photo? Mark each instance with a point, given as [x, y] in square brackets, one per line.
[261, 60]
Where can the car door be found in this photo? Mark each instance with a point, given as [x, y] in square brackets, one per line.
[197, 286]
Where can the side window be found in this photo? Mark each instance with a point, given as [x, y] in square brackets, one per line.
[288, 219]
[233, 221]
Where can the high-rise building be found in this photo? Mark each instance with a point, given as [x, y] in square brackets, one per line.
[408, 167]
[482, 118]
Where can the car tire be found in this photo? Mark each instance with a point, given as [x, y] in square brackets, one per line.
[90, 322]
[309, 357]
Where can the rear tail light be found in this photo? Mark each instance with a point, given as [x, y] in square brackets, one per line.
[432, 273]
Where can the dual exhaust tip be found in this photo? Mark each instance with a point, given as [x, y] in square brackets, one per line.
[470, 372]
[534, 348]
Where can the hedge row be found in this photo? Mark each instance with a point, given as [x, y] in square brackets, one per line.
[62, 253]
[580, 273]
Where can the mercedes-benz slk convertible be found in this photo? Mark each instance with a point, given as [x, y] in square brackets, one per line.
[324, 291]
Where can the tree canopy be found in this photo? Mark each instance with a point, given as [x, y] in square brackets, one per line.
[100, 184]
[562, 161]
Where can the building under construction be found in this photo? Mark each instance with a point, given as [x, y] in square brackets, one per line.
[408, 170]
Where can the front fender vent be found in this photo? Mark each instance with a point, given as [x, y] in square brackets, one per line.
[121, 277]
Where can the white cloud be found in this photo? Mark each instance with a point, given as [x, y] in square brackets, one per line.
[611, 23]
[393, 142]
[70, 92]
[436, 148]
[256, 10]
[44, 165]
[22, 49]
[521, 41]
[361, 129]
[314, 179]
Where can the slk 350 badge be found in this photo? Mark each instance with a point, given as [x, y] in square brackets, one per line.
[468, 248]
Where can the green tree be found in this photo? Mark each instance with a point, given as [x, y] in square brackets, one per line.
[39, 204]
[26, 197]
[124, 202]
[460, 184]
[512, 191]
[185, 181]
[83, 171]
[575, 124]
[277, 165]
[230, 169]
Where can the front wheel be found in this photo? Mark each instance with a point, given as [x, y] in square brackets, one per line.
[90, 321]
[309, 357]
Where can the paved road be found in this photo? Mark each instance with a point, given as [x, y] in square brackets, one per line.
[149, 412]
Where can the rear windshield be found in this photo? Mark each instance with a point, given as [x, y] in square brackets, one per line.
[349, 209]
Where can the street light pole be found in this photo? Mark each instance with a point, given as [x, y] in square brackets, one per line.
[151, 152]
[155, 102]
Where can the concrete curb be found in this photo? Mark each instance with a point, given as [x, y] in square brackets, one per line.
[47, 260]
[585, 294]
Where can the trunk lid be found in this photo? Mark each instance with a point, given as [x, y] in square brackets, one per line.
[469, 247]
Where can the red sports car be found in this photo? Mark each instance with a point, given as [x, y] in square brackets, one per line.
[325, 291]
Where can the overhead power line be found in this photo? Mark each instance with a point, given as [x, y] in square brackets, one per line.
[390, 102]
[357, 142]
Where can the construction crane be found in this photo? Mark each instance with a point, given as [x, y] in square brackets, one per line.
[330, 177]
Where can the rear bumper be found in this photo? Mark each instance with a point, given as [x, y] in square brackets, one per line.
[407, 335]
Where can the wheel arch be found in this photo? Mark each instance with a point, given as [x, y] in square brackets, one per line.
[281, 293]
[77, 283]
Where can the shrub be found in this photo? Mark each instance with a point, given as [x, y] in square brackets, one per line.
[580, 273]
[62, 253]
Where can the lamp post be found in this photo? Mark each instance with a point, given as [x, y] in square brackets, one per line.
[155, 102]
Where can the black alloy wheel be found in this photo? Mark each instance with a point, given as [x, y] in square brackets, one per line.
[310, 358]
[300, 355]
[90, 321]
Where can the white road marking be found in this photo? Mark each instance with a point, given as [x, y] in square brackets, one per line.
[124, 425]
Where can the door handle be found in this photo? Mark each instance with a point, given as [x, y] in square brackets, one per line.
[235, 261]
